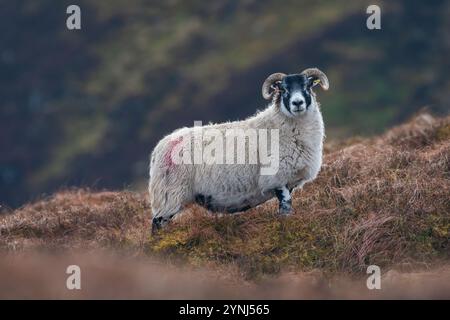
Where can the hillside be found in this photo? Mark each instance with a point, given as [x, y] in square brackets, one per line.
[77, 106]
[383, 200]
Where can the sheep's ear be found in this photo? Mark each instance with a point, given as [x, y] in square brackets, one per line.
[268, 85]
[315, 77]
[313, 81]
[276, 85]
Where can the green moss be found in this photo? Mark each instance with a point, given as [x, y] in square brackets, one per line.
[443, 133]
[171, 242]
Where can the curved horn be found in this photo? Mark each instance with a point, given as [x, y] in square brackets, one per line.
[268, 84]
[323, 80]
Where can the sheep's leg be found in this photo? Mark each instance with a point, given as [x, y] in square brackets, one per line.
[169, 192]
[168, 203]
[160, 221]
[284, 197]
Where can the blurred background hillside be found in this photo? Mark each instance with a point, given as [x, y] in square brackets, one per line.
[86, 107]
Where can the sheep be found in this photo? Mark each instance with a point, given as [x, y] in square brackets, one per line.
[293, 115]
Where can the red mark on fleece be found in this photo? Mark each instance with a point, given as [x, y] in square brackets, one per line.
[168, 155]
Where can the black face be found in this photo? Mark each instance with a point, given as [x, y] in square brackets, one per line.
[296, 93]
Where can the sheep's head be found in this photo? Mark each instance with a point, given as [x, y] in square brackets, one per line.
[294, 92]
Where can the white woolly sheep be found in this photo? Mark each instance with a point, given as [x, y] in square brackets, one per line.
[234, 187]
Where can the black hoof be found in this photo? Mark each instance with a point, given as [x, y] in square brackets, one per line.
[285, 210]
[156, 224]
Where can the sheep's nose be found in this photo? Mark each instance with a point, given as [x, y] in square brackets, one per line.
[298, 103]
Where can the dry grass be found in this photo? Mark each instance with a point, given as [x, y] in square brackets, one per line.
[383, 201]
[78, 219]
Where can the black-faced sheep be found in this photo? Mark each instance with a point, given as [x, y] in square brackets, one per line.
[197, 164]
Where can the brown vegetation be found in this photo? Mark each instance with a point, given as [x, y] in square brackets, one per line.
[383, 201]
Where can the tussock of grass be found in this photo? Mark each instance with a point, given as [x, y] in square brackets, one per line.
[383, 201]
[78, 218]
